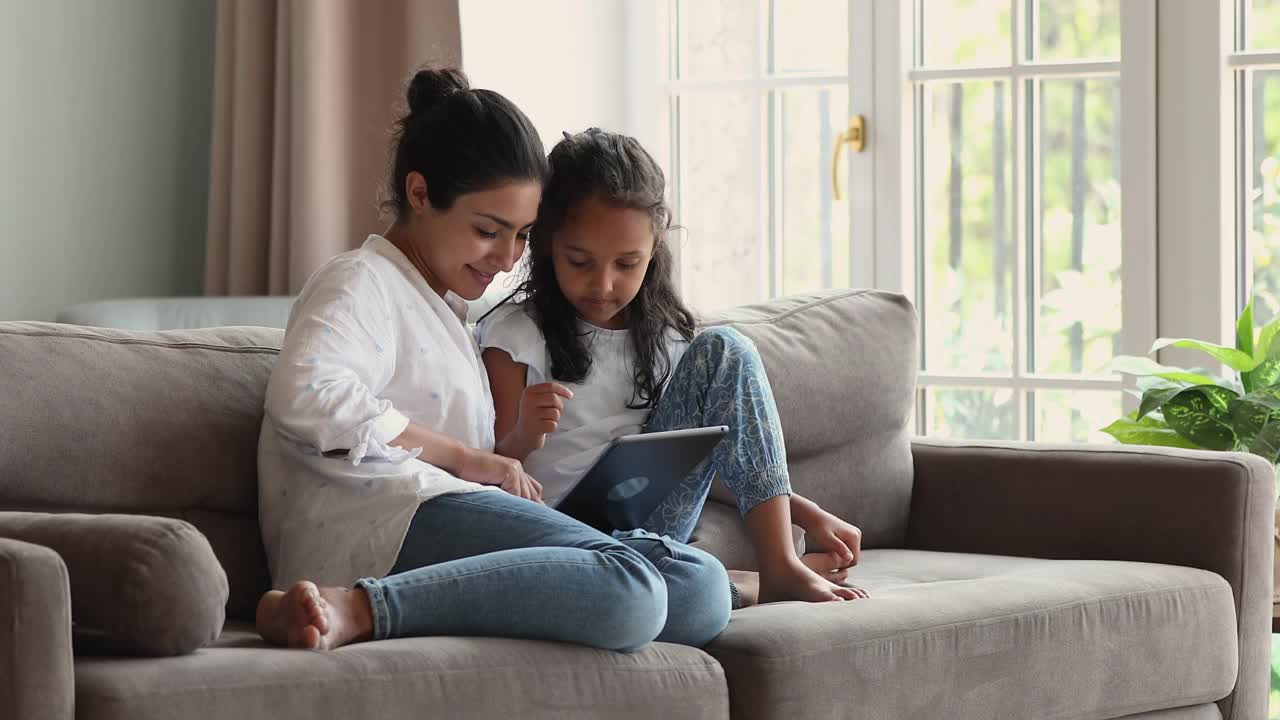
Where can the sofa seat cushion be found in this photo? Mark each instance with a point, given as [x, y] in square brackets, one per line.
[240, 678]
[978, 636]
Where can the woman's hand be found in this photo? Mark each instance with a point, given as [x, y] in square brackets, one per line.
[487, 468]
[539, 414]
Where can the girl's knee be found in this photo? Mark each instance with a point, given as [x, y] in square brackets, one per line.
[726, 344]
[722, 337]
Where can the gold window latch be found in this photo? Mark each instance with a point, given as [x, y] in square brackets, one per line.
[855, 137]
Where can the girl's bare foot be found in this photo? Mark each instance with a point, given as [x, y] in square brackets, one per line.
[798, 581]
[827, 565]
[312, 618]
[822, 566]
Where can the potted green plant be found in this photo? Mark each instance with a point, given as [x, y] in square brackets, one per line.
[1191, 408]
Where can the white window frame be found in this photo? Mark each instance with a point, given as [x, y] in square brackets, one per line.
[1196, 258]
[1239, 61]
[1137, 73]
[1204, 158]
[652, 86]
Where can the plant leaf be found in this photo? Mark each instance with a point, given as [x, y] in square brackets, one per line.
[1262, 376]
[1232, 358]
[1155, 398]
[1131, 432]
[1200, 415]
[1266, 442]
[1244, 330]
[1146, 367]
[1248, 417]
[1267, 397]
[1266, 346]
[1147, 421]
[1191, 378]
[1151, 382]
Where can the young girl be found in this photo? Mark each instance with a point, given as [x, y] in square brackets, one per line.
[376, 463]
[601, 346]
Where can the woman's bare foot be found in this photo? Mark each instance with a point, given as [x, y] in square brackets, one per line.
[748, 584]
[312, 618]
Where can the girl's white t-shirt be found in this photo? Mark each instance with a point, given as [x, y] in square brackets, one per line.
[369, 348]
[598, 412]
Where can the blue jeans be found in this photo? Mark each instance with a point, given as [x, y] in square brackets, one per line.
[489, 563]
[720, 380]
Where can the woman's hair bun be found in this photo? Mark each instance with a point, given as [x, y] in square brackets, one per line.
[429, 87]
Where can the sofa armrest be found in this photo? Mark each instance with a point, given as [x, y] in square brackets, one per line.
[36, 672]
[1213, 511]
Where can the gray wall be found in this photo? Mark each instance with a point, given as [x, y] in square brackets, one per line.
[105, 113]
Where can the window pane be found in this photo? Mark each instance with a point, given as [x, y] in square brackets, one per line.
[967, 260]
[815, 228]
[966, 32]
[1078, 327]
[1263, 28]
[978, 413]
[717, 38]
[810, 36]
[722, 250]
[1078, 29]
[1075, 415]
[1263, 202]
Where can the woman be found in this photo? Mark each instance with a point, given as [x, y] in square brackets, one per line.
[381, 499]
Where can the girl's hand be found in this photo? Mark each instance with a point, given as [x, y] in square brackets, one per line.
[842, 540]
[540, 407]
[488, 468]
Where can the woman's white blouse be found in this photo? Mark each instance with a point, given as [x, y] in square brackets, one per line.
[369, 348]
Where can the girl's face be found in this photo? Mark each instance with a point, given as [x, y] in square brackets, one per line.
[601, 254]
[484, 233]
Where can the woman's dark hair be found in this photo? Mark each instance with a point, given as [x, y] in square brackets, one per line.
[616, 170]
[461, 140]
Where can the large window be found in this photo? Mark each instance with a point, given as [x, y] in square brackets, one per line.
[1007, 185]
[758, 92]
[1018, 151]
[1256, 69]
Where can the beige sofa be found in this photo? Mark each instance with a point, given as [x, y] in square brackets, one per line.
[1008, 581]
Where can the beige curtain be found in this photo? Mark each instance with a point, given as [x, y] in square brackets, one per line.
[305, 92]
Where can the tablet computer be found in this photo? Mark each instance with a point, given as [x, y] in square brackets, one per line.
[632, 477]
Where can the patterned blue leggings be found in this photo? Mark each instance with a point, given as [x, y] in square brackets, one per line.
[721, 381]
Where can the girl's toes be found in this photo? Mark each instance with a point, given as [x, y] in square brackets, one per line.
[846, 593]
[320, 618]
[310, 638]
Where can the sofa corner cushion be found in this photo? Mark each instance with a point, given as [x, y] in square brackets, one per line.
[139, 584]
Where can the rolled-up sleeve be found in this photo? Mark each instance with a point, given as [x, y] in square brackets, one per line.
[339, 353]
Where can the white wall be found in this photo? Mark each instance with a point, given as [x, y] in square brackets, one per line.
[560, 61]
[104, 135]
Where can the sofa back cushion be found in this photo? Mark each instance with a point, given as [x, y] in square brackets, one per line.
[115, 421]
[166, 423]
[843, 367]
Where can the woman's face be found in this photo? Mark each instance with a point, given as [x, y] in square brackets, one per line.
[484, 233]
